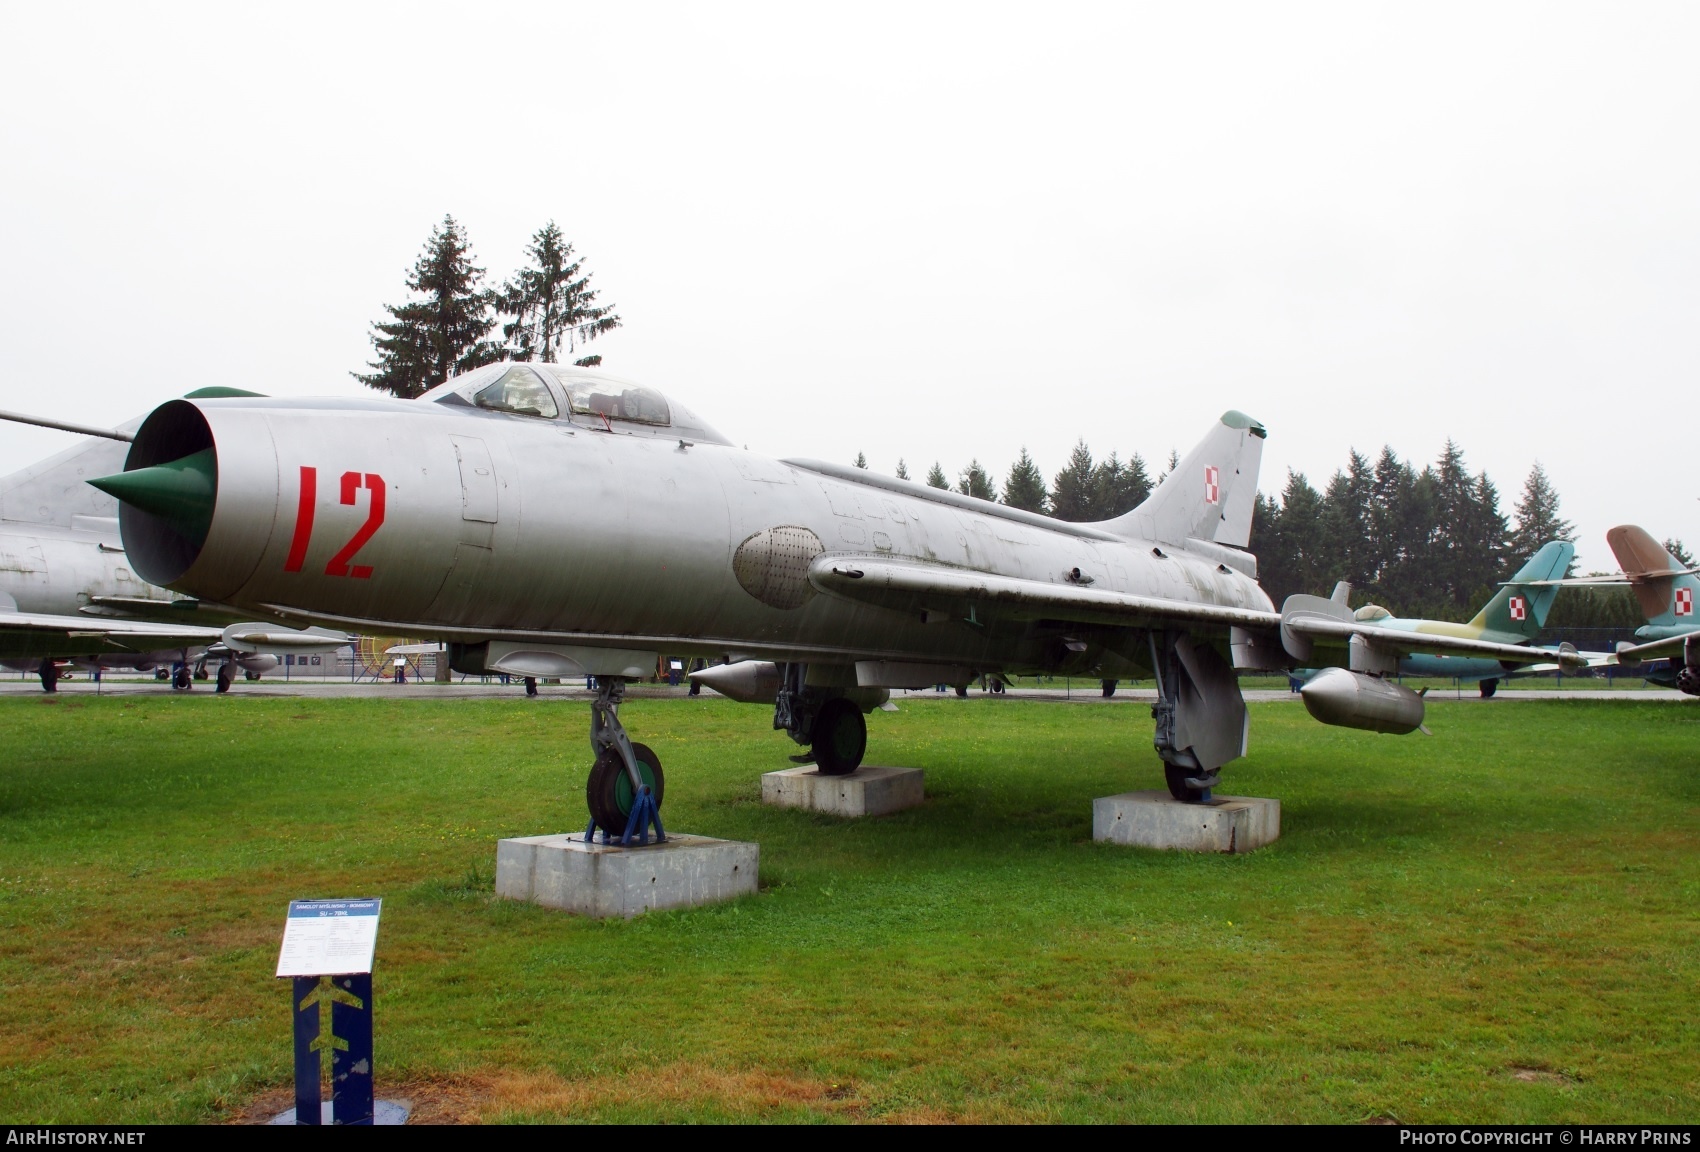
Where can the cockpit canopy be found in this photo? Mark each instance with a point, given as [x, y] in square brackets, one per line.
[578, 396]
[1370, 613]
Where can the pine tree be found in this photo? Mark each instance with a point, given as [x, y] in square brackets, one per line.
[902, 469]
[861, 461]
[1683, 555]
[1073, 493]
[974, 481]
[1024, 487]
[429, 339]
[551, 303]
[937, 479]
[1346, 523]
[1291, 542]
[1398, 527]
[1174, 462]
[1118, 487]
[1537, 519]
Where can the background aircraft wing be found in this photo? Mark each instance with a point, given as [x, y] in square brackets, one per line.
[908, 586]
[1403, 642]
[182, 611]
[34, 633]
[1654, 649]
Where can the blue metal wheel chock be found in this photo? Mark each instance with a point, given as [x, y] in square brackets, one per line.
[645, 811]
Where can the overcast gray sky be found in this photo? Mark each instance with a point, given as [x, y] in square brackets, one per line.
[928, 231]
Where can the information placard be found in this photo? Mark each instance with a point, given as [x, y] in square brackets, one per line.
[329, 937]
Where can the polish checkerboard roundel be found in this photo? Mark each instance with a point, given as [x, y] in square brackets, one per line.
[1212, 484]
[1519, 608]
[1685, 601]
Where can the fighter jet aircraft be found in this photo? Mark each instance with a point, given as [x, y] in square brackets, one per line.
[1665, 589]
[1515, 615]
[69, 595]
[548, 520]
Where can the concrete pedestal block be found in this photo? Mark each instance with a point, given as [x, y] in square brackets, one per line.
[868, 791]
[1158, 820]
[607, 880]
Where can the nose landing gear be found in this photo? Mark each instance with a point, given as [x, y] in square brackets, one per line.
[626, 782]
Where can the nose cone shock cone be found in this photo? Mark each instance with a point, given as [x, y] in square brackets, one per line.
[181, 492]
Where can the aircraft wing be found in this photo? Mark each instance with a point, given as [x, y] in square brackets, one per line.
[41, 634]
[909, 586]
[1403, 642]
[1654, 649]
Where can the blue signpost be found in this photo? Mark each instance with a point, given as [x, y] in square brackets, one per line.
[327, 953]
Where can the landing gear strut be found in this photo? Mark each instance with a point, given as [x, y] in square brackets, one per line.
[626, 783]
[1200, 715]
[831, 727]
[181, 678]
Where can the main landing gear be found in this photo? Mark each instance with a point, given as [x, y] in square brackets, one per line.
[49, 673]
[1489, 687]
[1200, 715]
[831, 727]
[226, 674]
[626, 782]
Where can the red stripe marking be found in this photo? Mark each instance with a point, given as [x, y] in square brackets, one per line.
[303, 520]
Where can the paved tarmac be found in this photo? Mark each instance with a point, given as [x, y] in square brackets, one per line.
[470, 688]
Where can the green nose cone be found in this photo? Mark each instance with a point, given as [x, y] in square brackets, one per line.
[180, 493]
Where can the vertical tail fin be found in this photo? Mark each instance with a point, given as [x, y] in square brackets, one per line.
[1663, 586]
[1520, 609]
[1209, 495]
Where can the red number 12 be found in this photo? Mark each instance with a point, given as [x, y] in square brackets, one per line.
[352, 482]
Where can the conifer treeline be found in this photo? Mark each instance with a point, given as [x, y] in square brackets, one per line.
[1421, 543]
[1429, 542]
[1084, 490]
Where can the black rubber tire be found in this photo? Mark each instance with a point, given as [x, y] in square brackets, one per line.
[49, 673]
[226, 674]
[841, 738]
[608, 792]
[1489, 687]
[962, 690]
[250, 675]
[162, 673]
[1176, 779]
[531, 685]
[182, 680]
[1109, 688]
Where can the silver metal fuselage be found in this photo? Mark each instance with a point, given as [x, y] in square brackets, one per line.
[499, 524]
[57, 570]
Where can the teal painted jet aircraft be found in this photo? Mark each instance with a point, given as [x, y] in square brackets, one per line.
[1515, 615]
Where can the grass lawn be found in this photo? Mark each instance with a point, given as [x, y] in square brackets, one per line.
[1493, 923]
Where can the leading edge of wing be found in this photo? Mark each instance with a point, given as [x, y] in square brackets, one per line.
[1403, 642]
[124, 635]
[1631, 654]
[912, 586]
